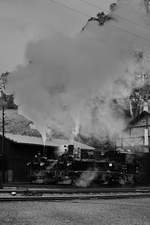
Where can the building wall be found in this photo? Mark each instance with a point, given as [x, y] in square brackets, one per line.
[16, 158]
[134, 136]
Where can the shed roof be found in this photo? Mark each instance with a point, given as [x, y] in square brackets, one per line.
[22, 139]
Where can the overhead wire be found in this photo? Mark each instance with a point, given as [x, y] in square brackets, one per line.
[131, 32]
[131, 21]
[133, 9]
[70, 8]
[85, 14]
[121, 17]
[91, 4]
[147, 39]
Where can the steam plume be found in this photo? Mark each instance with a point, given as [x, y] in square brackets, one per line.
[68, 85]
[86, 178]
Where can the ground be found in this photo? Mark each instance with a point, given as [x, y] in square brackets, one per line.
[92, 212]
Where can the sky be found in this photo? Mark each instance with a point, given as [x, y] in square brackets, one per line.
[22, 21]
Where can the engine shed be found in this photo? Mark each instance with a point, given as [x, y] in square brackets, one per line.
[19, 150]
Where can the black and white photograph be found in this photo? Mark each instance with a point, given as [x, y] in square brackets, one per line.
[74, 112]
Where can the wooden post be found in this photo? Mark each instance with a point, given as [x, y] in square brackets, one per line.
[3, 82]
[3, 129]
[3, 143]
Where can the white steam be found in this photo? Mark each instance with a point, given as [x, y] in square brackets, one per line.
[68, 85]
[86, 178]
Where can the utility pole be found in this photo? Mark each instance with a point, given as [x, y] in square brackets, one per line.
[3, 82]
[3, 143]
[3, 129]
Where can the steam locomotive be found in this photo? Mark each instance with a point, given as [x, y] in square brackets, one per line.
[82, 167]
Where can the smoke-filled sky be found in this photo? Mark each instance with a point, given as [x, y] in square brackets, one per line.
[64, 80]
[24, 20]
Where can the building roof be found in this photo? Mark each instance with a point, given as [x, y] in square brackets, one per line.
[22, 139]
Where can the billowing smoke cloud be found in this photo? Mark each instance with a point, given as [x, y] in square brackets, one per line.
[60, 88]
[68, 84]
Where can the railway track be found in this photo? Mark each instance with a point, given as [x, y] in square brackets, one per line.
[19, 188]
[53, 193]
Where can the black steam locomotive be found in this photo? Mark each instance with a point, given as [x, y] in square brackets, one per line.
[82, 167]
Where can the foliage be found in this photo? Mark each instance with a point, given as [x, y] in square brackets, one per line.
[6, 100]
[9, 101]
[17, 124]
[138, 97]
